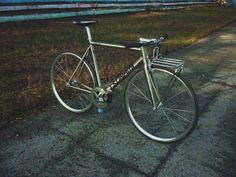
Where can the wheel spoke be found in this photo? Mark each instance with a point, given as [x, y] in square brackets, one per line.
[140, 96]
[83, 103]
[182, 118]
[180, 110]
[67, 70]
[169, 87]
[169, 120]
[58, 77]
[174, 96]
[87, 98]
[142, 93]
[62, 71]
[141, 81]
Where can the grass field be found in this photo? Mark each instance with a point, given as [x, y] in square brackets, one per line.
[28, 48]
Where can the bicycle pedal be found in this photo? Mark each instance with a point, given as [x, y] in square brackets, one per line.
[102, 110]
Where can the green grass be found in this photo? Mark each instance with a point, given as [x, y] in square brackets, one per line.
[28, 48]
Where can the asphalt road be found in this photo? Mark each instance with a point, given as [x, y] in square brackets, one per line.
[58, 143]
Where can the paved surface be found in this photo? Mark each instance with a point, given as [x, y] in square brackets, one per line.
[58, 143]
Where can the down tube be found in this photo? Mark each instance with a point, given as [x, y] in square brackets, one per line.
[124, 75]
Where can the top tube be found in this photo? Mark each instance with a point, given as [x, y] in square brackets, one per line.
[114, 45]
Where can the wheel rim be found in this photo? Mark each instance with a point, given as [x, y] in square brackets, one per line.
[175, 116]
[72, 92]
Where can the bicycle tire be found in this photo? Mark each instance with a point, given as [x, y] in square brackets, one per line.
[72, 93]
[159, 124]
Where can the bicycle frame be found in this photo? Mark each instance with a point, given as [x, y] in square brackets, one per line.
[143, 59]
[77, 86]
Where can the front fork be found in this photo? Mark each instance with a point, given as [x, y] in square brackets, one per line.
[154, 92]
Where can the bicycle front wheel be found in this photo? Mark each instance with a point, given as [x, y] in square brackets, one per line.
[72, 80]
[170, 118]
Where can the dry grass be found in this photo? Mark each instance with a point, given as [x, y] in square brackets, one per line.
[28, 48]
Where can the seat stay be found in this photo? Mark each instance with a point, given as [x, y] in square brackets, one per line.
[78, 65]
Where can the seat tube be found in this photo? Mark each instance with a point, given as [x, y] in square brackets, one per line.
[93, 55]
[145, 57]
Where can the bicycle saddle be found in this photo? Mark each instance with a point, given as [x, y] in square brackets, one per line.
[84, 23]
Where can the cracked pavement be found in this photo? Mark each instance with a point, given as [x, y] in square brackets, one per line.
[57, 143]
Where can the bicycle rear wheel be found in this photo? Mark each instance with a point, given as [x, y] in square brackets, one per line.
[175, 114]
[72, 81]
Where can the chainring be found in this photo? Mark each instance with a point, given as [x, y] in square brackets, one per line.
[100, 97]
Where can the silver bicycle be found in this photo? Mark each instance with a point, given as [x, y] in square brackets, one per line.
[159, 102]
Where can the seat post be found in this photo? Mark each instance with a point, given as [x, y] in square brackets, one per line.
[89, 34]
